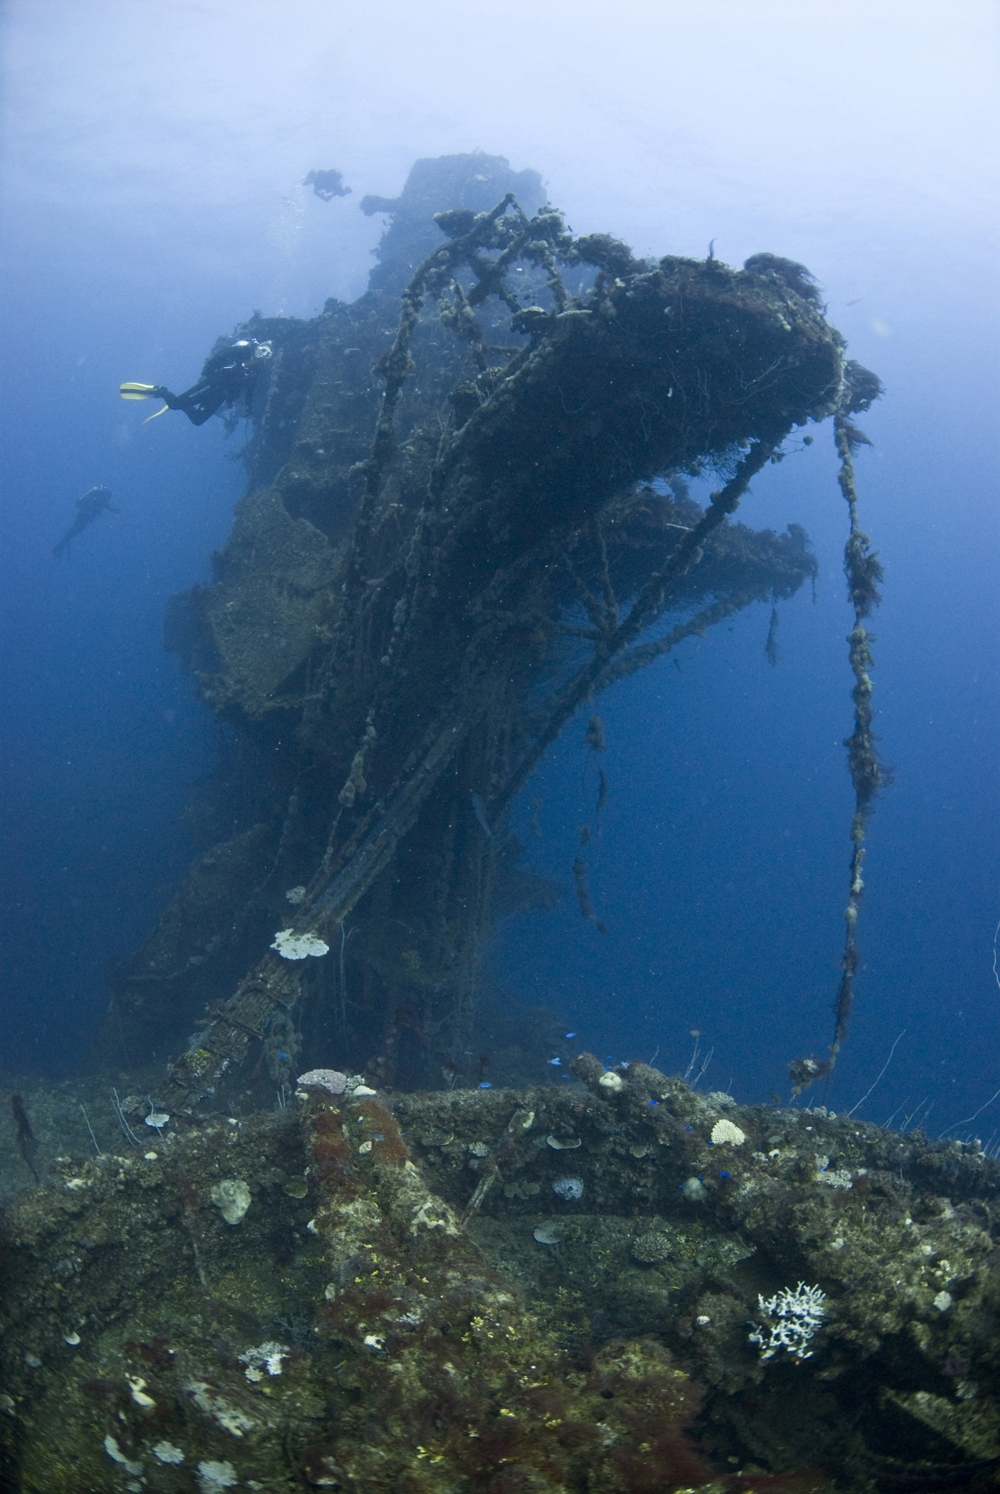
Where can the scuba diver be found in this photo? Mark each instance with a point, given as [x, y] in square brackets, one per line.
[93, 502]
[327, 184]
[229, 372]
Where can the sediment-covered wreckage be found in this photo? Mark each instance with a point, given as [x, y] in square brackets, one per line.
[467, 517]
[615, 1286]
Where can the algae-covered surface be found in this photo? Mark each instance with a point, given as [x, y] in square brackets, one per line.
[614, 1285]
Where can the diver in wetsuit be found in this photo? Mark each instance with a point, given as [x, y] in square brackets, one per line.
[95, 501]
[229, 372]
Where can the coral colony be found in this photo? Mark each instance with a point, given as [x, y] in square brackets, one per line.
[794, 1319]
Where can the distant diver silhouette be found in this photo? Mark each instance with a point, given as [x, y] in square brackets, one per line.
[93, 502]
[229, 372]
[327, 184]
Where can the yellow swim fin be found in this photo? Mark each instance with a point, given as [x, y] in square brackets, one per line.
[154, 414]
[137, 391]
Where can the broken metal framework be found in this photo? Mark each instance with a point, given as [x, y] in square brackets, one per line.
[404, 629]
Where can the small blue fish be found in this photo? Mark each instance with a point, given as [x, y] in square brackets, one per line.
[555, 1062]
[485, 1084]
[571, 1034]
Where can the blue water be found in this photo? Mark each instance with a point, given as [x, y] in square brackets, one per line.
[152, 201]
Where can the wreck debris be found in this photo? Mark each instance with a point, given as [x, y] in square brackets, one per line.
[868, 774]
[384, 1338]
[426, 583]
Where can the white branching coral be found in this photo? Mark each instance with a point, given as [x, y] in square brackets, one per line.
[794, 1318]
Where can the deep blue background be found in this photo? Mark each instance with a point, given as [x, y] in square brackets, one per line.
[721, 867]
